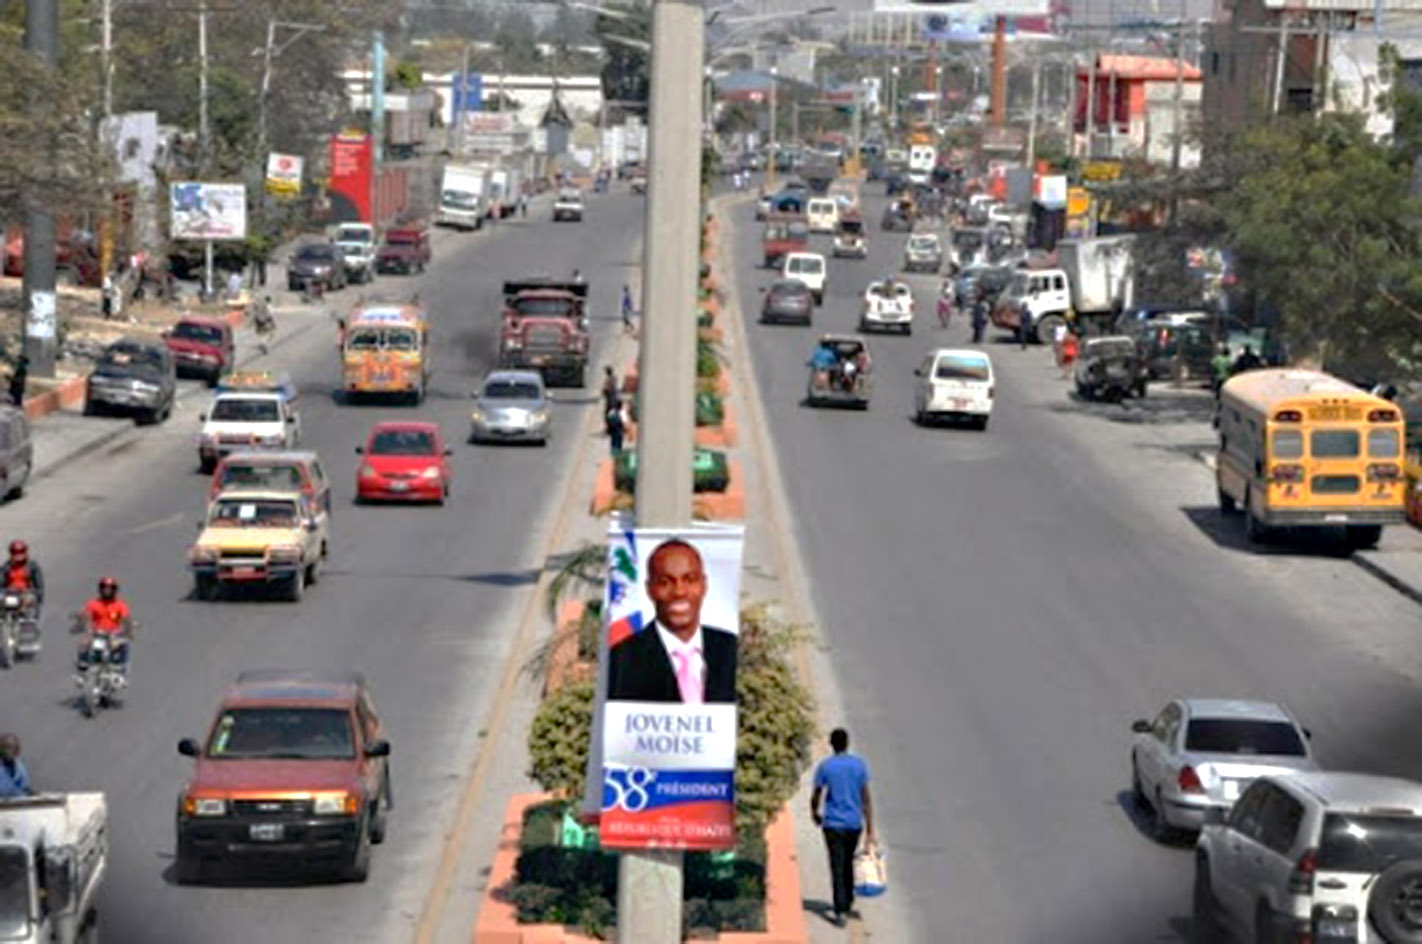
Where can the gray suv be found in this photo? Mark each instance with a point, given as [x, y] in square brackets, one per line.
[512, 406]
[136, 378]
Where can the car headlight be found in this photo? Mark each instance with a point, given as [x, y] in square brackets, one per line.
[203, 555]
[367, 471]
[144, 386]
[284, 552]
[204, 806]
[432, 472]
[335, 804]
[271, 439]
[513, 344]
[476, 415]
[539, 416]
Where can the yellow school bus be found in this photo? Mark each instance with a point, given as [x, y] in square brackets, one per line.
[386, 352]
[1300, 448]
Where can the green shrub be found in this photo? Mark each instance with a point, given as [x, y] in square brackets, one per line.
[558, 740]
[708, 363]
[710, 471]
[710, 409]
[705, 319]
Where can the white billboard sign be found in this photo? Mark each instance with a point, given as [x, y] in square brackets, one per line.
[967, 11]
[208, 211]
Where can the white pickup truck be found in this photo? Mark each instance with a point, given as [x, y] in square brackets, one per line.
[53, 850]
[240, 421]
[358, 244]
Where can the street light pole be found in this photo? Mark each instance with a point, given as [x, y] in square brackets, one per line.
[42, 40]
[203, 139]
[650, 881]
[773, 161]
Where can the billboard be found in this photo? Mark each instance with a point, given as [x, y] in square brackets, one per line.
[352, 166]
[284, 174]
[663, 752]
[208, 211]
[466, 92]
[982, 9]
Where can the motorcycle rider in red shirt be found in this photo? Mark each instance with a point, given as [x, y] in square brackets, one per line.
[24, 575]
[108, 615]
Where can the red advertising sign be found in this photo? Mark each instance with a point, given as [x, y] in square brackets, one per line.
[352, 164]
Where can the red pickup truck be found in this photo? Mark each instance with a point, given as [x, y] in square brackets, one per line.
[202, 347]
[406, 249]
[783, 235]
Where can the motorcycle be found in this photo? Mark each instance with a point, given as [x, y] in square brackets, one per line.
[102, 676]
[19, 628]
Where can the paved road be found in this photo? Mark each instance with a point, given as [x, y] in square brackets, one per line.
[417, 598]
[999, 606]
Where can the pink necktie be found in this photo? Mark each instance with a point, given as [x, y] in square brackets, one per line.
[687, 677]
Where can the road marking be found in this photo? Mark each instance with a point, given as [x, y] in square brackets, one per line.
[159, 524]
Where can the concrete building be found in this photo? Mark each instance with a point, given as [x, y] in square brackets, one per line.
[1330, 58]
[1134, 112]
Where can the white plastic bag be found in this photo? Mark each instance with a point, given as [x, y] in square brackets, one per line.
[871, 877]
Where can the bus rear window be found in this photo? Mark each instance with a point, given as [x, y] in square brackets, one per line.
[1383, 443]
[1288, 444]
[1334, 443]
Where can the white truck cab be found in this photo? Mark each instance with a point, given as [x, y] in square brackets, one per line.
[358, 244]
[238, 421]
[1045, 296]
[807, 267]
[53, 851]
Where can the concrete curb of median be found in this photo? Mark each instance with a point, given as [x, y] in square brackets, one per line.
[124, 427]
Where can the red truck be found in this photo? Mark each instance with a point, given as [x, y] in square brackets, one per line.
[545, 328]
[784, 234]
[406, 249]
[202, 347]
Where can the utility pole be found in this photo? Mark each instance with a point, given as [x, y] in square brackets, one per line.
[456, 126]
[774, 158]
[1280, 62]
[1177, 127]
[268, 52]
[1091, 106]
[999, 72]
[204, 141]
[1032, 115]
[650, 881]
[106, 57]
[894, 98]
[41, 40]
[377, 103]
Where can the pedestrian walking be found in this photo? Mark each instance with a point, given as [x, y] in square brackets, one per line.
[523, 205]
[980, 318]
[611, 396]
[18, 379]
[616, 426]
[842, 783]
[1024, 325]
[627, 326]
[945, 303]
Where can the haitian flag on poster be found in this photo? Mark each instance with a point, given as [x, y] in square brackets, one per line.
[661, 772]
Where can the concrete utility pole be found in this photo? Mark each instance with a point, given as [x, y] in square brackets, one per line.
[1091, 106]
[894, 98]
[456, 124]
[999, 72]
[204, 142]
[774, 159]
[377, 103]
[1281, 61]
[1177, 126]
[42, 40]
[106, 57]
[269, 53]
[1032, 114]
[649, 882]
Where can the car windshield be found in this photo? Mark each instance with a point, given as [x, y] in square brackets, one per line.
[790, 289]
[399, 238]
[295, 733]
[953, 367]
[1243, 736]
[923, 242]
[188, 331]
[131, 359]
[352, 234]
[460, 199]
[400, 339]
[556, 307]
[244, 475]
[968, 239]
[244, 410]
[252, 513]
[851, 227]
[315, 254]
[807, 266]
[570, 196]
[512, 390]
[1121, 347]
[14, 895]
[1369, 844]
[402, 442]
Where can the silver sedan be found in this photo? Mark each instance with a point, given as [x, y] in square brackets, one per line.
[1202, 752]
[512, 406]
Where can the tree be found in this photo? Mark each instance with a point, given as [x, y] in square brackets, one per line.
[1325, 229]
[626, 75]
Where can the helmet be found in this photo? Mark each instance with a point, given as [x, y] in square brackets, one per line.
[19, 550]
[108, 586]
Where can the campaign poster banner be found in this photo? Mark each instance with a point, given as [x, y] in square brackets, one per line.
[208, 211]
[663, 758]
[284, 174]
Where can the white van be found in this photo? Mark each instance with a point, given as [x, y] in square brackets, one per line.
[922, 159]
[822, 213]
[954, 383]
[807, 267]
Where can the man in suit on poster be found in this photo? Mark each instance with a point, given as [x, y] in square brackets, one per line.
[675, 658]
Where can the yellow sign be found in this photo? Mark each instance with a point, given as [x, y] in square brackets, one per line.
[1078, 201]
[1324, 414]
[1098, 171]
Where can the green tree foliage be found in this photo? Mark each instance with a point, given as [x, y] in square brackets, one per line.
[773, 743]
[626, 75]
[1326, 231]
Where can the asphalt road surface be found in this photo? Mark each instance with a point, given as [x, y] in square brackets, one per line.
[1000, 605]
[417, 598]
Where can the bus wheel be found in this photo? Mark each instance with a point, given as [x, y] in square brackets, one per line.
[1361, 536]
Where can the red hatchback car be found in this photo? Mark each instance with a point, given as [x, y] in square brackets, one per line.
[404, 461]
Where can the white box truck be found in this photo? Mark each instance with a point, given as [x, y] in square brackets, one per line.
[463, 196]
[505, 182]
[1101, 274]
[53, 850]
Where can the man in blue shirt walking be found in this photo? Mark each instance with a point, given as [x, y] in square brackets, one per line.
[842, 781]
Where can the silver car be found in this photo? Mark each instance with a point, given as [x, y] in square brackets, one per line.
[1200, 753]
[512, 406]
